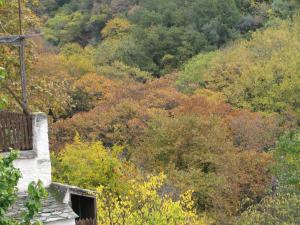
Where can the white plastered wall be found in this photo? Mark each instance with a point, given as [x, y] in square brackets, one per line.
[35, 164]
[62, 222]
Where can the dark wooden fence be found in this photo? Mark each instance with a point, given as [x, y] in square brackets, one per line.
[86, 222]
[15, 131]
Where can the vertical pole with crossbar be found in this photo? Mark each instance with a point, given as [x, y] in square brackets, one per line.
[22, 61]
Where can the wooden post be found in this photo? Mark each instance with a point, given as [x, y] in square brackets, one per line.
[23, 76]
[22, 62]
[20, 17]
[20, 41]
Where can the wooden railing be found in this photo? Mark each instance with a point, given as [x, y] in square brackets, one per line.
[86, 222]
[15, 131]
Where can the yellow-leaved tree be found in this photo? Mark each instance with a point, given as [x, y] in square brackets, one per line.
[89, 165]
[144, 204]
[123, 198]
[116, 28]
[261, 73]
[9, 54]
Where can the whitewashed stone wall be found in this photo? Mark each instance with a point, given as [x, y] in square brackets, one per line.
[62, 222]
[35, 164]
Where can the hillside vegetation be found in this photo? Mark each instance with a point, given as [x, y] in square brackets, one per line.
[176, 112]
[156, 35]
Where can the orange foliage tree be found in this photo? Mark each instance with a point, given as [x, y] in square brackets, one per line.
[193, 139]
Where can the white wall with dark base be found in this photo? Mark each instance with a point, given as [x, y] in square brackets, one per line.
[35, 164]
[62, 222]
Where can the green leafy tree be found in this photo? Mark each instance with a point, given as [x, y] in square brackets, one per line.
[282, 209]
[192, 75]
[285, 8]
[165, 33]
[282, 206]
[3, 100]
[120, 71]
[261, 73]
[9, 57]
[74, 20]
[287, 166]
[9, 177]
[65, 28]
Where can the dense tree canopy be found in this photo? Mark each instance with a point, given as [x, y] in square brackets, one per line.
[261, 74]
[164, 33]
[187, 111]
[164, 130]
[122, 195]
[282, 206]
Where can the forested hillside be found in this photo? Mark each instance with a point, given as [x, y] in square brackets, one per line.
[176, 112]
[155, 35]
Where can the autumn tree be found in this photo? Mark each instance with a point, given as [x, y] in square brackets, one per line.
[143, 204]
[282, 203]
[254, 130]
[120, 114]
[197, 153]
[260, 73]
[9, 54]
[122, 195]
[105, 168]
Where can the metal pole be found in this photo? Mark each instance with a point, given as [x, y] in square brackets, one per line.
[22, 61]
